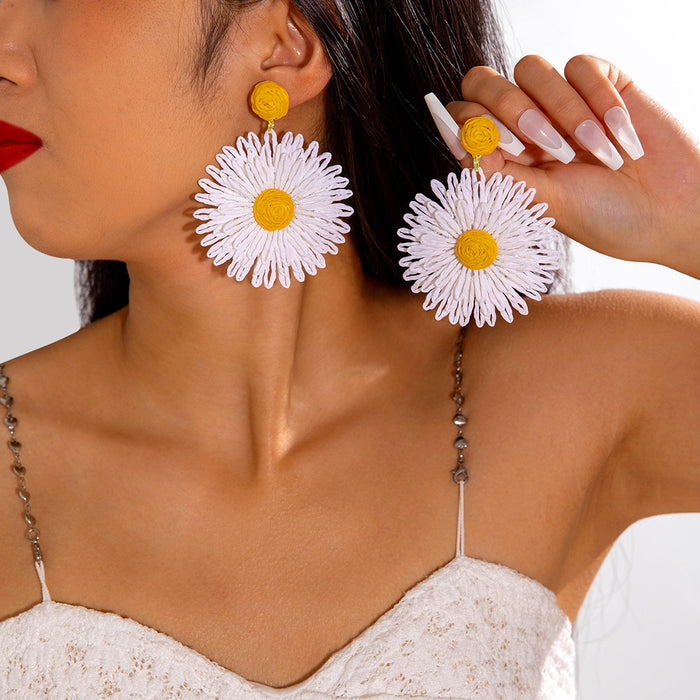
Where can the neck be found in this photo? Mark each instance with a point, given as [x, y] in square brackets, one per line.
[254, 371]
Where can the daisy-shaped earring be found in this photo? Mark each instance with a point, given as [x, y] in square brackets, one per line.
[481, 244]
[275, 206]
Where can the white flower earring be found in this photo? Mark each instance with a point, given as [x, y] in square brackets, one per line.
[275, 206]
[481, 243]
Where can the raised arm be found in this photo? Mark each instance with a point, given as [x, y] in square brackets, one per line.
[658, 458]
[634, 200]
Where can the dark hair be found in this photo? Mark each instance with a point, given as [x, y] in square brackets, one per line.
[385, 56]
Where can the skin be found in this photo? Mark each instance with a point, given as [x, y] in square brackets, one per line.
[211, 423]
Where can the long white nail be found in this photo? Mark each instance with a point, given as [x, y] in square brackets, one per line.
[447, 126]
[507, 141]
[537, 128]
[592, 137]
[620, 125]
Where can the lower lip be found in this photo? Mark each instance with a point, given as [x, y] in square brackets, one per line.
[13, 152]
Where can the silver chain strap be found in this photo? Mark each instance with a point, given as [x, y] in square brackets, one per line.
[459, 473]
[18, 468]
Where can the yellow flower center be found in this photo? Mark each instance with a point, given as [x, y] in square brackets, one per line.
[480, 136]
[273, 209]
[476, 249]
[269, 100]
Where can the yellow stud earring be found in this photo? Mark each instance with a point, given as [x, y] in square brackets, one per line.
[275, 206]
[480, 246]
[480, 137]
[270, 101]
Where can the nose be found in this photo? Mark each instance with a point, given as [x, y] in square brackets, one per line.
[16, 57]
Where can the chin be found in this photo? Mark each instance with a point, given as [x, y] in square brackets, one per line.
[54, 235]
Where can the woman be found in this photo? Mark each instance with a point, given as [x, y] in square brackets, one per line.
[258, 481]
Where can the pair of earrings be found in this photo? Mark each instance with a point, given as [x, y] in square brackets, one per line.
[276, 206]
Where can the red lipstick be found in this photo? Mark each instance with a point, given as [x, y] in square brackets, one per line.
[16, 144]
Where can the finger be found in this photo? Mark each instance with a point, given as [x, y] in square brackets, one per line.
[541, 81]
[516, 109]
[600, 84]
[451, 131]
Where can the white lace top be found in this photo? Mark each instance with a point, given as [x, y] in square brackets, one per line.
[471, 629]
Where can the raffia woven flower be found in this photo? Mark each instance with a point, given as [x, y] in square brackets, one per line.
[475, 250]
[275, 206]
[479, 136]
[269, 100]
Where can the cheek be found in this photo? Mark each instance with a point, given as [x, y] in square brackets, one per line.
[112, 83]
[126, 140]
[126, 137]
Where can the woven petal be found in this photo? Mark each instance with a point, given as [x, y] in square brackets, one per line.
[233, 234]
[526, 258]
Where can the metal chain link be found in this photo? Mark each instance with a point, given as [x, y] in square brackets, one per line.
[18, 468]
[459, 473]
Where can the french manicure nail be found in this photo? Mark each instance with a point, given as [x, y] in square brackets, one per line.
[620, 125]
[507, 140]
[537, 128]
[592, 137]
[447, 126]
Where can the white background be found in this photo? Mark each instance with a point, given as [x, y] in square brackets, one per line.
[637, 632]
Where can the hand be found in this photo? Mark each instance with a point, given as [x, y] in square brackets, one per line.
[648, 209]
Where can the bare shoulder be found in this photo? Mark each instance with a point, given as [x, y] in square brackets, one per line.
[647, 346]
[606, 351]
[620, 375]
[657, 462]
[42, 384]
[647, 343]
[637, 309]
[618, 347]
[637, 305]
[625, 328]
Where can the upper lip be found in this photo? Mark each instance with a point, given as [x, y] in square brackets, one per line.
[10, 132]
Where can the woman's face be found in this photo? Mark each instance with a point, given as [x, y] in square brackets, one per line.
[107, 86]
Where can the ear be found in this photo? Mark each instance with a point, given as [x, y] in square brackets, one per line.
[297, 60]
